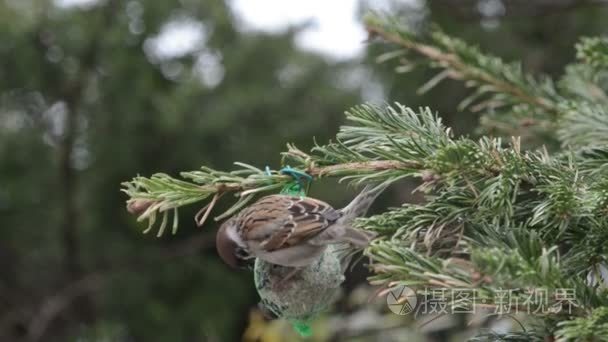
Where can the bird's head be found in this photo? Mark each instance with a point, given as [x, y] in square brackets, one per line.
[230, 246]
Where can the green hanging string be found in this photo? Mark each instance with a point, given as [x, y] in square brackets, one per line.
[300, 184]
[293, 189]
[302, 328]
[298, 187]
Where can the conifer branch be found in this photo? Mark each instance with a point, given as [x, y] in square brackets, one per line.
[593, 51]
[467, 63]
[593, 327]
[513, 102]
[161, 194]
[496, 216]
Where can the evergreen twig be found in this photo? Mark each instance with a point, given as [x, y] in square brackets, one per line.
[496, 216]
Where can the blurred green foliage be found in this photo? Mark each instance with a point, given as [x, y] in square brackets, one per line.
[87, 101]
[85, 105]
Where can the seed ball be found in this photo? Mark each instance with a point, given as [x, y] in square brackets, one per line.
[303, 295]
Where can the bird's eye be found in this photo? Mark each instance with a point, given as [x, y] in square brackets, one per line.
[242, 253]
[244, 258]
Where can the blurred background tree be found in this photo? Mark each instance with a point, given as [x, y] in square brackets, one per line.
[93, 94]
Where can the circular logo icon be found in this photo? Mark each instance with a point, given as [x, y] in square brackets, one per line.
[401, 300]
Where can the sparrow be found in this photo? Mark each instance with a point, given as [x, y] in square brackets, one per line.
[292, 231]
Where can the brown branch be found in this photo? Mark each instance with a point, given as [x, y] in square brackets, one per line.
[375, 165]
[461, 70]
[53, 306]
[325, 171]
[59, 302]
[72, 94]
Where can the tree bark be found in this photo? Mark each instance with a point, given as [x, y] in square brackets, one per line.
[72, 94]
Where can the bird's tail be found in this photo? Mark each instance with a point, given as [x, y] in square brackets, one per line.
[349, 240]
[353, 238]
[360, 204]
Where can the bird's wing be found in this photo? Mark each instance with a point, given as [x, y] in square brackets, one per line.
[279, 221]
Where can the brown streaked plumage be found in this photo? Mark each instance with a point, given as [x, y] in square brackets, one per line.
[291, 231]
